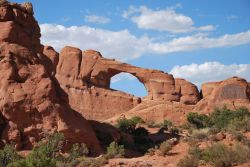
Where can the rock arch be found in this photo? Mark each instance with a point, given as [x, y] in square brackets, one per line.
[128, 83]
[86, 75]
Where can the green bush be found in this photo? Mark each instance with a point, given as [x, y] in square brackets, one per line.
[45, 154]
[174, 131]
[240, 124]
[198, 120]
[8, 155]
[137, 120]
[241, 153]
[93, 162]
[221, 118]
[165, 148]
[188, 161]
[167, 124]
[200, 134]
[19, 163]
[218, 155]
[152, 124]
[195, 151]
[126, 125]
[78, 150]
[115, 151]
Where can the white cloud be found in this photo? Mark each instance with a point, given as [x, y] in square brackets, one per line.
[232, 17]
[124, 46]
[97, 19]
[163, 20]
[121, 45]
[122, 76]
[200, 41]
[210, 71]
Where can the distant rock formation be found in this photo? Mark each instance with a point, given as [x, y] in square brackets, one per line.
[232, 93]
[42, 91]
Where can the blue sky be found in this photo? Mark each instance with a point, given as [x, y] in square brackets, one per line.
[200, 41]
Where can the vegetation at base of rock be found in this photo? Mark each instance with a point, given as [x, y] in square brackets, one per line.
[221, 119]
[78, 150]
[218, 155]
[8, 155]
[115, 151]
[48, 154]
[128, 125]
[137, 120]
[167, 124]
[165, 148]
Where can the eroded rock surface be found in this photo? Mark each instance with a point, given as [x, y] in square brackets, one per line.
[232, 93]
[30, 104]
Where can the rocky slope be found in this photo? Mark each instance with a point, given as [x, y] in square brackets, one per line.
[42, 91]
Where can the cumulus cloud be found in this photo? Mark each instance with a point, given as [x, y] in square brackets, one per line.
[97, 19]
[123, 45]
[210, 71]
[200, 41]
[162, 20]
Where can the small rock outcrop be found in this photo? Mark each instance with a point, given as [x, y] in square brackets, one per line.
[232, 93]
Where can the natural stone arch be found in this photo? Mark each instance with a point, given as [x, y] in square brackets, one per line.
[129, 78]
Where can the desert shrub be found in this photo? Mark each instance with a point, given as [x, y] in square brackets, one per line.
[115, 151]
[219, 155]
[167, 124]
[237, 135]
[198, 120]
[151, 151]
[152, 124]
[8, 155]
[195, 151]
[129, 125]
[137, 120]
[200, 134]
[40, 157]
[221, 118]
[240, 124]
[241, 153]
[165, 148]
[19, 163]
[188, 161]
[78, 150]
[93, 162]
[126, 125]
[213, 130]
[52, 145]
[174, 130]
[46, 153]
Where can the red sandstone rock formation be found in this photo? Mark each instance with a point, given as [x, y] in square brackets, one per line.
[232, 93]
[30, 104]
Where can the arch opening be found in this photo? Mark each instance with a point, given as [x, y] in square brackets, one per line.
[128, 83]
